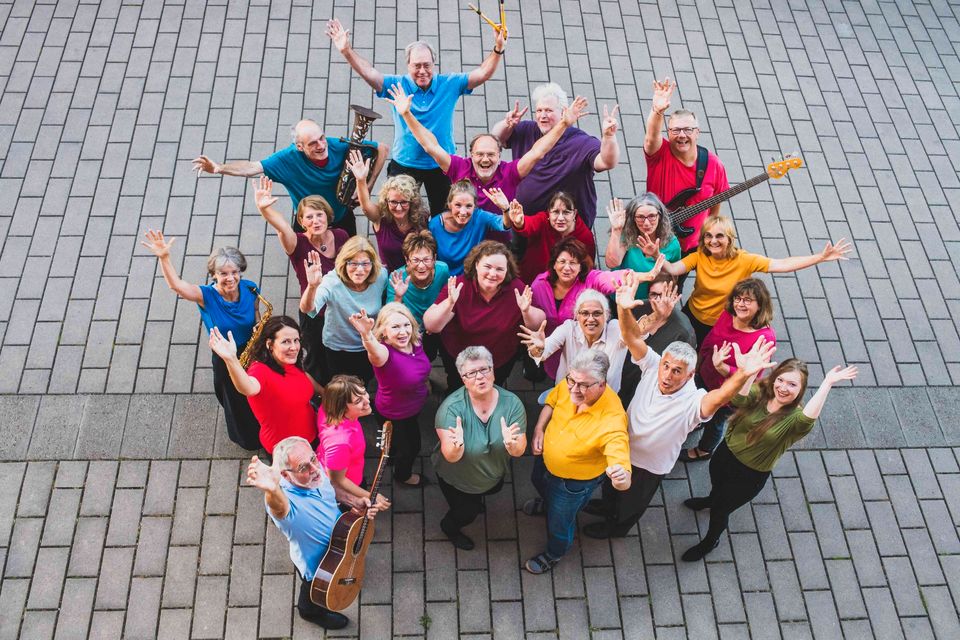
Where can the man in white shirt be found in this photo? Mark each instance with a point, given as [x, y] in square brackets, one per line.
[664, 410]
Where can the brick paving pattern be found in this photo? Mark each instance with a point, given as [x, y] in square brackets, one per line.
[102, 106]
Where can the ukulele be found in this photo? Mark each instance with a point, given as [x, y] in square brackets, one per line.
[679, 213]
[338, 579]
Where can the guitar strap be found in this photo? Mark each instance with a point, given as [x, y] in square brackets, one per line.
[703, 157]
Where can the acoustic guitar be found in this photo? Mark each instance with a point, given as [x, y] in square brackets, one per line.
[679, 213]
[338, 579]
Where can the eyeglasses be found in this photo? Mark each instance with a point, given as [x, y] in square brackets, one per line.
[398, 204]
[567, 263]
[744, 300]
[307, 466]
[420, 261]
[573, 384]
[353, 264]
[470, 375]
[590, 314]
[562, 213]
[685, 130]
[646, 218]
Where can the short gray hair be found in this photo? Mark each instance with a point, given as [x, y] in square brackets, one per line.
[551, 89]
[224, 255]
[295, 129]
[683, 352]
[474, 353]
[592, 295]
[281, 451]
[592, 362]
[420, 43]
[680, 113]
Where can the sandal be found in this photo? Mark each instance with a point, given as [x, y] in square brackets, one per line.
[421, 482]
[540, 563]
[534, 507]
[697, 455]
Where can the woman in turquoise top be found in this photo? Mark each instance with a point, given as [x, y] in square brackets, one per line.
[769, 420]
[638, 234]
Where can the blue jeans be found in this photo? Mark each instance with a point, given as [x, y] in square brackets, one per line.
[713, 429]
[564, 498]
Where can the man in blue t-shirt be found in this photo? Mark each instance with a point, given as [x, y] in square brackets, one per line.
[309, 166]
[435, 97]
[304, 508]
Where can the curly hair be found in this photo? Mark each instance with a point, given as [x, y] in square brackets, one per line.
[766, 394]
[262, 352]
[576, 249]
[756, 289]
[631, 232]
[409, 189]
[485, 249]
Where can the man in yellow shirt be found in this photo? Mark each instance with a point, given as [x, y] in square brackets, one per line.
[580, 436]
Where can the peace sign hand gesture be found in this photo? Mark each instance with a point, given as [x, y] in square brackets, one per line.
[514, 117]
[610, 125]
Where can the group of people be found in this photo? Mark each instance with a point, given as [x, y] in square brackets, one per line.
[495, 267]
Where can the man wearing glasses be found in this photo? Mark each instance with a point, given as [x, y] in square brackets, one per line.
[672, 167]
[580, 438]
[304, 508]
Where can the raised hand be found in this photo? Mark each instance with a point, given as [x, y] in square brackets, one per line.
[155, 243]
[510, 434]
[663, 307]
[263, 193]
[203, 164]
[400, 284]
[453, 291]
[617, 215]
[627, 291]
[514, 117]
[576, 110]
[362, 322]
[721, 353]
[839, 374]
[610, 125]
[226, 348]
[500, 38]
[399, 99]
[339, 35]
[457, 433]
[497, 197]
[525, 299]
[650, 276]
[650, 247]
[534, 340]
[516, 214]
[359, 167]
[837, 251]
[313, 268]
[757, 359]
[661, 95]
[261, 476]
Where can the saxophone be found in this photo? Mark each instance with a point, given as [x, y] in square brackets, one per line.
[347, 183]
[257, 330]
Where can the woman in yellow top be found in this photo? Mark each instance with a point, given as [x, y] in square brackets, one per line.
[720, 265]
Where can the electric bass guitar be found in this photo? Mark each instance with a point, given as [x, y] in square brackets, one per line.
[679, 213]
[338, 579]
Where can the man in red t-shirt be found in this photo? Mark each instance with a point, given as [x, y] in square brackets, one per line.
[672, 167]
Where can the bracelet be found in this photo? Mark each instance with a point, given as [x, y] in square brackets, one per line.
[499, 52]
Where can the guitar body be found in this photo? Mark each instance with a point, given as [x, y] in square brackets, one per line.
[338, 579]
[677, 202]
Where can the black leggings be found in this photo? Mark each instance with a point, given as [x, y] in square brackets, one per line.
[404, 444]
[699, 328]
[242, 426]
[311, 339]
[625, 508]
[464, 507]
[734, 485]
[353, 363]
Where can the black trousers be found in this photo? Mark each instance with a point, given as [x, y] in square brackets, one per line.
[404, 445]
[353, 363]
[311, 340]
[699, 328]
[435, 180]
[454, 381]
[464, 507]
[307, 607]
[625, 508]
[734, 485]
[431, 345]
[242, 426]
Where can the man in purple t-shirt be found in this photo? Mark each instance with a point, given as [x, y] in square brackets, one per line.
[484, 168]
[572, 162]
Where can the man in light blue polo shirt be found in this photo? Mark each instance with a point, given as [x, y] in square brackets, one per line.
[434, 100]
[304, 507]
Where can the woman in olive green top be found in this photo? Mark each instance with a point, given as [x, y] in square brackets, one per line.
[768, 420]
[480, 426]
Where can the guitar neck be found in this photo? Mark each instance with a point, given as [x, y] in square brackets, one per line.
[683, 214]
[374, 491]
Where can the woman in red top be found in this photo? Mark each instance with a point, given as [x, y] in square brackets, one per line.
[545, 229]
[278, 389]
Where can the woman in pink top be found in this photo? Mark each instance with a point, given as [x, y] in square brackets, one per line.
[746, 318]
[569, 273]
[401, 367]
[342, 444]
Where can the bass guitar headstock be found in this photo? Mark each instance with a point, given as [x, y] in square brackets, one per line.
[779, 168]
[384, 438]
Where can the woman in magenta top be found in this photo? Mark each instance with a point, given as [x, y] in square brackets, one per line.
[342, 444]
[401, 368]
[398, 212]
[545, 229]
[746, 318]
[569, 273]
[278, 389]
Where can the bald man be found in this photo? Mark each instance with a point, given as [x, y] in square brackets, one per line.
[309, 166]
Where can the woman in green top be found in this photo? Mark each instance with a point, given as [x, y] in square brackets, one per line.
[638, 235]
[480, 427]
[769, 419]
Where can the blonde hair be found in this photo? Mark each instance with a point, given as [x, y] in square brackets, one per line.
[726, 227]
[380, 328]
[349, 251]
[407, 187]
[315, 202]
